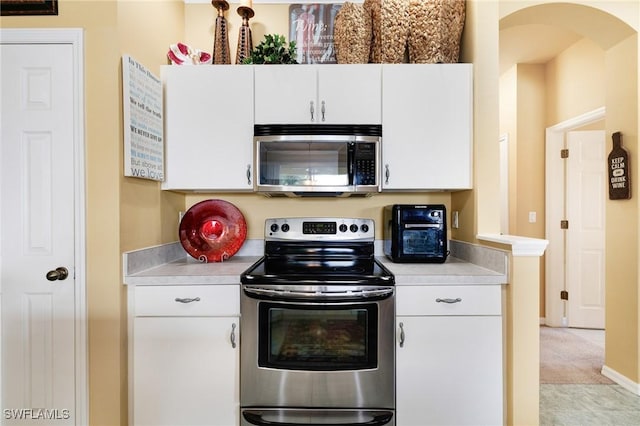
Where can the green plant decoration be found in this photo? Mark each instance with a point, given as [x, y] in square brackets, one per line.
[273, 50]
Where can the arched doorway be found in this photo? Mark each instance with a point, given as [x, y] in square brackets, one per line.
[526, 28]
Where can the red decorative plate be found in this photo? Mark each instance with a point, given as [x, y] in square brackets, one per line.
[212, 230]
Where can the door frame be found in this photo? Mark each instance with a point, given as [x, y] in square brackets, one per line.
[555, 211]
[75, 38]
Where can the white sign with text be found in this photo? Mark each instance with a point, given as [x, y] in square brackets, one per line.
[143, 121]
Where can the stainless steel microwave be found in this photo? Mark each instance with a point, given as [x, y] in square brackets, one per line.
[317, 159]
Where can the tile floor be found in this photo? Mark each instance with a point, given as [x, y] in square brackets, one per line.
[588, 405]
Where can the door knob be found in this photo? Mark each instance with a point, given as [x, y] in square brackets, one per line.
[60, 273]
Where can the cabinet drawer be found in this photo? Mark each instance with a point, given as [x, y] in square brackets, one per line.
[448, 300]
[187, 300]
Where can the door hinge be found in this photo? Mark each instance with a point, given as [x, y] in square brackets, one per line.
[564, 153]
[564, 295]
[564, 224]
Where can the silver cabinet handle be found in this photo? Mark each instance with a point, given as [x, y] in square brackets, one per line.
[401, 335]
[233, 335]
[386, 174]
[187, 299]
[322, 110]
[456, 300]
[311, 109]
[248, 174]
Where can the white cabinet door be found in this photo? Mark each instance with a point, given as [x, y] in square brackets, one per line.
[186, 371]
[427, 126]
[350, 94]
[208, 127]
[449, 371]
[318, 94]
[285, 94]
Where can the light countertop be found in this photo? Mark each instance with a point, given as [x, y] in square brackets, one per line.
[170, 265]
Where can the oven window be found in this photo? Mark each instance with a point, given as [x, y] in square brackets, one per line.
[305, 337]
[424, 241]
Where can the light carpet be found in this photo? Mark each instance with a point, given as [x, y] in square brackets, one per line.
[566, 358]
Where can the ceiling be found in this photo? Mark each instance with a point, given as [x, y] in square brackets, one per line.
[533, 44]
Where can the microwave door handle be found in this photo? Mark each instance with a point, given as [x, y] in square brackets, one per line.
[422, 225]
[351, 154]
[378, 419]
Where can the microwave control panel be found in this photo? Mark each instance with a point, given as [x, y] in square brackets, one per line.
[365, 164]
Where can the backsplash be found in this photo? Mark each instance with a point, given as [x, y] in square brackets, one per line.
[486, 257]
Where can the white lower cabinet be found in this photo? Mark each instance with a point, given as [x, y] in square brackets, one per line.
[185, 356]
[449, 368]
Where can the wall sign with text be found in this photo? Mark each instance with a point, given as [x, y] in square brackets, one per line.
[619, 171]
[311, 27]
[143, 121]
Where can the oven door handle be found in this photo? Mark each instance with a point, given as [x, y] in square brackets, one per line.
[379, 418]
[368, 294]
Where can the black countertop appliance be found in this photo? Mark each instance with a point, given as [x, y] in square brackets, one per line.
[415, 233]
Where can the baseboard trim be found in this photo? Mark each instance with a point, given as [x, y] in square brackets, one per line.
[623, 381]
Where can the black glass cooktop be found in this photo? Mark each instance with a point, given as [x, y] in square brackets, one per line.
[317, 270]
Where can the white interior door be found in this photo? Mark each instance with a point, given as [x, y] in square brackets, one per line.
[37, 231]
[586, 192]
[556, 309]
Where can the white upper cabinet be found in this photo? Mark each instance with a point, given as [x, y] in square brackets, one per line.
[318, 94]
[208, 127]
[427, 127]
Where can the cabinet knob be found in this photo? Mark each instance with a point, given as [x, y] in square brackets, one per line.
[401, 335]
[311, 110]
[248, 174]
[386, 174]
[322, 110]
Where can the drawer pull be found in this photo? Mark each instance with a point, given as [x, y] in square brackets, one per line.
[233, 335]
[401, 335]
[456, 300]
[187, 299]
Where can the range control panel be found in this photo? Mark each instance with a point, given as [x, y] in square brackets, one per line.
[319, 229]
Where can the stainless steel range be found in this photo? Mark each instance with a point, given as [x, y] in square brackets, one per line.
[317, 341]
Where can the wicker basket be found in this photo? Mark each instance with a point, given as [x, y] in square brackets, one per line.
[352, 34]
[435, 30]
[390, 30]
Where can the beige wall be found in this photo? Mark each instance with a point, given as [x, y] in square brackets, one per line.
[479, 209]
[575, 82]
[530, 150]
[622, 239]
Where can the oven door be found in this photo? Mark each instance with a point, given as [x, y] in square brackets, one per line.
[317, 347]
